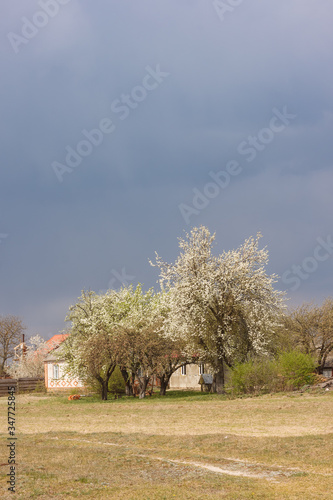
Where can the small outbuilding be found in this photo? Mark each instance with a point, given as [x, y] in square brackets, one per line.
[206, 382]
[328, 368]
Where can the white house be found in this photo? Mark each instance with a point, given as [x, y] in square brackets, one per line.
[188, 377]
[55, 380]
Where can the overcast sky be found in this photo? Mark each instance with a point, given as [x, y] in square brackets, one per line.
[126, 123]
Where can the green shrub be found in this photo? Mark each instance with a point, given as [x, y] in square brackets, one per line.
[254, 377]
[116, 382]
[291, 370]
[296, 368]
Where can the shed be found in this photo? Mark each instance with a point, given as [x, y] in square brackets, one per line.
[328, 368]
[206, 381]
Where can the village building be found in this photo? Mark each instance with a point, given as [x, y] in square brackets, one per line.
[54, 366]
[193, 376]
[187, 377]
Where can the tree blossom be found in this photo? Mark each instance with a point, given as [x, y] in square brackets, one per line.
[225, 306]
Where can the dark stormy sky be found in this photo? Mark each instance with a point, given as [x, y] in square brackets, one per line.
[124, 123]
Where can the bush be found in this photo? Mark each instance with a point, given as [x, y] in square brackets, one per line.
[291, 370]
[254, 377]
[297, 369]
[116, 382]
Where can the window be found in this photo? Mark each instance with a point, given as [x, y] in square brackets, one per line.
[56, 371]
[201, 369]
[183, 369]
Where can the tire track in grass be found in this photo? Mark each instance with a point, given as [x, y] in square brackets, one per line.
[237, 467]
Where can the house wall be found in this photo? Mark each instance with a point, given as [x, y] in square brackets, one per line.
[64, 383]
[188, 381]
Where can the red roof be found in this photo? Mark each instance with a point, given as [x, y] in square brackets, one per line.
[56, 340]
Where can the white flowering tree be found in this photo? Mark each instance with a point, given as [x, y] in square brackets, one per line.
[31, 363]
[94, 346]
[124, 328]
[143, 340]
[172, 356]
[225, 306]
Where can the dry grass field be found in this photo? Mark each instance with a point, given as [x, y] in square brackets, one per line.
[183, 446]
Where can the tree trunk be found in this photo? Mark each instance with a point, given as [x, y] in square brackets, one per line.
[2, 367]
[218, 379]
[105, 384]
[143, 386]
[128, 388]
[128, 383]
[105, 381]
[164, 380]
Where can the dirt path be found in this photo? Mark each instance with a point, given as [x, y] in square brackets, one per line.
[235, 469]
[231, 467]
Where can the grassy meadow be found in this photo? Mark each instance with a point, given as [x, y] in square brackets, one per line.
[183, 446]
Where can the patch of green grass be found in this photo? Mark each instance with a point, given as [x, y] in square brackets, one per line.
[84, 480]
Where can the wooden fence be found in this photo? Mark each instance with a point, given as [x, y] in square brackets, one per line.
[20, 384]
